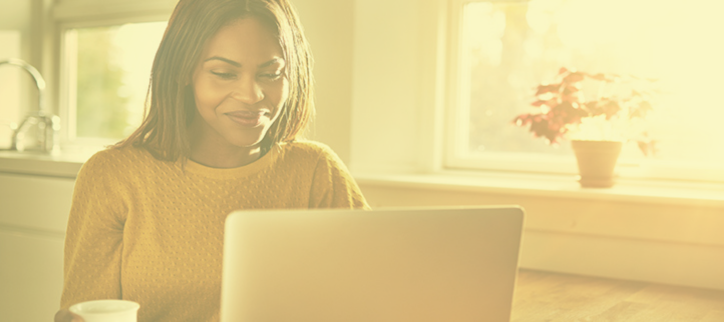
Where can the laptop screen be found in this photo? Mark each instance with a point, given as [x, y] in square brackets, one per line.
[451, 264]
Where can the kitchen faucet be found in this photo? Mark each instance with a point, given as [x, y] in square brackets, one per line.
[48, 124]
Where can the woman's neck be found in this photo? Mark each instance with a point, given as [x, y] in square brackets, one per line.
[223, 155]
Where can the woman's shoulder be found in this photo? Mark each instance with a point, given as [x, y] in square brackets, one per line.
[310, 154]
[301, 149]
[120, 154]
[117, 159]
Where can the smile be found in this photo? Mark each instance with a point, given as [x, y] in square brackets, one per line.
[246, 118]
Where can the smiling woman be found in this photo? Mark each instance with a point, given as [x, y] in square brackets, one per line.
[231, 89]
[240, 89]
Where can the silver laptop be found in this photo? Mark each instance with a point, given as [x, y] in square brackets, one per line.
[396, 265]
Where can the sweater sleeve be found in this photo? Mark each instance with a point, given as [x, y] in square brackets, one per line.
[333, 185]
[94, 237]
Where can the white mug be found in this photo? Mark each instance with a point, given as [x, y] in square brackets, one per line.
[107, 311]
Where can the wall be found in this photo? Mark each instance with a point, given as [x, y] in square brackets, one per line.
[377, 63]
[329, 26]
[625, 238]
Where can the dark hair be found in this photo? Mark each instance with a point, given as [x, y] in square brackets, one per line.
[170, 105]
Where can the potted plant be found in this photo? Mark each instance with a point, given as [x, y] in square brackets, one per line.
[597, 128]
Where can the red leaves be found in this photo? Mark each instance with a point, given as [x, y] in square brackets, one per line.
[552, 125]
[540, 126]
[542, 89]
[561, 105]
[550, 103]
[599, 77]
[604, 106]
[574, 77]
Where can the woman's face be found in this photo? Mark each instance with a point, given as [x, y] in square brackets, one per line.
[240, 86]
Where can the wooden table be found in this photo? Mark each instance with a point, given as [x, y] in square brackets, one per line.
[553, 297]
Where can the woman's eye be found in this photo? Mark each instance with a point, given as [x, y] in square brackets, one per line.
[272, 76]
[224, 75]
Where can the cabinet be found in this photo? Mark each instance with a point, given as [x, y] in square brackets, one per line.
[33, 217]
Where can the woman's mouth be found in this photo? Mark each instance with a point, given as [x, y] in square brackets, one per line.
[246, 118]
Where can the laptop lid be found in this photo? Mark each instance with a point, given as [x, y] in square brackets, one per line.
[453, 264]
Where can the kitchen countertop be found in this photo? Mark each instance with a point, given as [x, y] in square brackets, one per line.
[65, 164]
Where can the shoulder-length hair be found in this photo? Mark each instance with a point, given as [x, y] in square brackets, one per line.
[170, 105]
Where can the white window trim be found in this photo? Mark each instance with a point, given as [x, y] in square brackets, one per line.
[102, 10]
[457, 157]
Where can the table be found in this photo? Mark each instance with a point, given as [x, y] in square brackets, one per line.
[553, 297]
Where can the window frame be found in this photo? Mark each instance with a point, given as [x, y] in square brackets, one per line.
[456, 155]
[73, 14]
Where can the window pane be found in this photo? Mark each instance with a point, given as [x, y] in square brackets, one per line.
[112, 76]
[11, 80]
[508, 48]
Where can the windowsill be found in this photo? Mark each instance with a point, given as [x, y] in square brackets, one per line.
[556, 186]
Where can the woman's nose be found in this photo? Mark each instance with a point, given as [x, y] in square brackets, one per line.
[248, 91]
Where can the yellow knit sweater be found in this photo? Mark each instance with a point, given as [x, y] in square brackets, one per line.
[152, 231]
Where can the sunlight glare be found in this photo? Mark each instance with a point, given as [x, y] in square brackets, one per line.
[137, 44]
[676, 42]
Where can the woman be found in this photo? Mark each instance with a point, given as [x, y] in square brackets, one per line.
[231, 90]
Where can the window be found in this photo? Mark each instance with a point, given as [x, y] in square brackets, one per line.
[10, 86]
[103, 64]
[503, 49]
[107, 75]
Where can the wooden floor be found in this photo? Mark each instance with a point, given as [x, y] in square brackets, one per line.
[542, 296]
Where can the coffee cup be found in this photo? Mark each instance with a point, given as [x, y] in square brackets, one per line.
[107, 311]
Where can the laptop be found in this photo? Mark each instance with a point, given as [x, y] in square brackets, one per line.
[389, 265]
